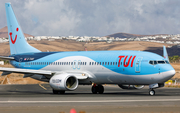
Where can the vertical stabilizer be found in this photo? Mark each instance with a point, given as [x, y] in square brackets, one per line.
[17, 41]
[165, 54]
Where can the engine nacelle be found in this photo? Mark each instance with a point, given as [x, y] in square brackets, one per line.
[131, 86]
[64, 82]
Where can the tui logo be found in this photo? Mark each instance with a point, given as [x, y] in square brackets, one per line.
[13, 41]
[126, 64]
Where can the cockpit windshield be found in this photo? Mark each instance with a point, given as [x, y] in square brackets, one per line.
[153, 62]
[161, 62]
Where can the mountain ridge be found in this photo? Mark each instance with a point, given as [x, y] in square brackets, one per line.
[4, 33]
[128, 35]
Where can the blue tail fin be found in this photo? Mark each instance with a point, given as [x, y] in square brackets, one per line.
[17, 41]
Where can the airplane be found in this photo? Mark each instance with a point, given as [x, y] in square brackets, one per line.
[65, 71]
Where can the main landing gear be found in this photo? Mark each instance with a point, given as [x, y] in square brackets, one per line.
[97, 89]
[58, 92]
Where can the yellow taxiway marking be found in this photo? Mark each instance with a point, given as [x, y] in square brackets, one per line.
[42, 87]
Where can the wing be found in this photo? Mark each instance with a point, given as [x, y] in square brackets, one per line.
[30, 72]
[26, 71]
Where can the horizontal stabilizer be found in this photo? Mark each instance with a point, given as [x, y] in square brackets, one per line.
[6, 58]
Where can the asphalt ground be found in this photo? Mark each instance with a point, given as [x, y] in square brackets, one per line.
[39, 98]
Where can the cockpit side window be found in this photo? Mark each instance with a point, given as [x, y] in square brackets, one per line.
[167, 62]
[151, 62]
[155, 62]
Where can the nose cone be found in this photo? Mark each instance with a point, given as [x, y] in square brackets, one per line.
[169, 74]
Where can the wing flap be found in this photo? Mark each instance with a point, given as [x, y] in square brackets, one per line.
[30, 72]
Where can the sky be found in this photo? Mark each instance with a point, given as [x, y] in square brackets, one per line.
[94, 17]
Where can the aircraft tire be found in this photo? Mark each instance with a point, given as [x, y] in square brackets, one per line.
[151, 92]
[55, 91]
[61, 92]
[100, 89]
[94, 89]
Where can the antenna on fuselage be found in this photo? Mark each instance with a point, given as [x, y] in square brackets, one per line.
[165, 54]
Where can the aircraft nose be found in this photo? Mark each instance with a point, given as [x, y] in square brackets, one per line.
[172, 73]
[168, 75]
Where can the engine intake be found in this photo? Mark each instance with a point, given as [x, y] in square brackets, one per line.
[64, 82]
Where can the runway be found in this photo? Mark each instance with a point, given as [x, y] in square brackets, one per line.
[39, 97]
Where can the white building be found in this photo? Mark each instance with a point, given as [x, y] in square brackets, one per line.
[1, 62]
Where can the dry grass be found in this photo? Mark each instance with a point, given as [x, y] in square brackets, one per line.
[69, 45]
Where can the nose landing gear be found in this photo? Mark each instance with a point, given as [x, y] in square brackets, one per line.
[153, 86]
[151, 92]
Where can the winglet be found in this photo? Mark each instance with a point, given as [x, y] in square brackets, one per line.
[165, 55]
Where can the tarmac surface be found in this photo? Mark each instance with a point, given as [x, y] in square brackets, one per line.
[39, 98]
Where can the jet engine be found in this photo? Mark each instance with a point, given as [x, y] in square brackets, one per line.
[131, 86]
[63, 82]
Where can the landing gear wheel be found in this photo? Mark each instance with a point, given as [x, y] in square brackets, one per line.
[55, 91]
[61, 92]
[97, 89]
[100, 89]
[58, 92]
[151, 92]
[94, 89]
